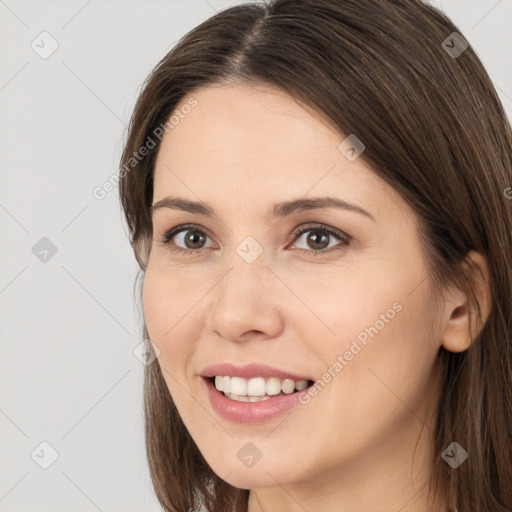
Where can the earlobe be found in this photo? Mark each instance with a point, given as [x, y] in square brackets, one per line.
[456, 335]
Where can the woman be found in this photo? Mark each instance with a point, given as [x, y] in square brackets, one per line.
[318, 196]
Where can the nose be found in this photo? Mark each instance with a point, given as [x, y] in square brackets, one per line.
[246, 303]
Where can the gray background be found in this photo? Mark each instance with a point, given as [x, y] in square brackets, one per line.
[69, 324]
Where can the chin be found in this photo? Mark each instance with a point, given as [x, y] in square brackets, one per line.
[264, 472]
[248, 478]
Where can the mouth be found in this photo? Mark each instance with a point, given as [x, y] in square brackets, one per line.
[254, 400]
[257, 389]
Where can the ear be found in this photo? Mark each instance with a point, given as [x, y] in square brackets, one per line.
[456, 334]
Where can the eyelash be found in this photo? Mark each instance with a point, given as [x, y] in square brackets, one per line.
[344, 239]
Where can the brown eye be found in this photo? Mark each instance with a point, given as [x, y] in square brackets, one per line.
[194, 239]
[191, 240]
[187, 239]
[320, 239]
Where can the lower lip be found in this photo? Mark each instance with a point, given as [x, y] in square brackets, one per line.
[249, 412]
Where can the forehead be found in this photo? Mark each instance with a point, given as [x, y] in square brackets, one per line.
[261, 145]
[243, 124]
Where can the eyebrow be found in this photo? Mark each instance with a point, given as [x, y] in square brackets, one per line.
[281, 209]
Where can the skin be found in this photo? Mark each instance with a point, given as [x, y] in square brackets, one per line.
[242, 149]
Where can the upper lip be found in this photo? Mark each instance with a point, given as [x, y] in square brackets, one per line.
[249, 371]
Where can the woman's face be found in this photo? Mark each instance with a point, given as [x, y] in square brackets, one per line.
[354, 317]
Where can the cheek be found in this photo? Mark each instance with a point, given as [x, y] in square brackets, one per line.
[168, 314]
[167, 298]
[381, 359]
[154, 300]
[372, 324]
[394, 366]
[162, 313]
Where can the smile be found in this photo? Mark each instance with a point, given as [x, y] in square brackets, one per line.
[253, 409]
[257, 388]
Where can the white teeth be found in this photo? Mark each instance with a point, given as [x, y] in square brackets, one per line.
[238, 386]
[238, 397]
[247, 398]
[251, 390]
[256, 386]
[288, 386]
[273, 386]
[226, 385]
[258, 398]
[301, 384]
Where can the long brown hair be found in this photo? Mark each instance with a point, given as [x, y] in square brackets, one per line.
[393, 73]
